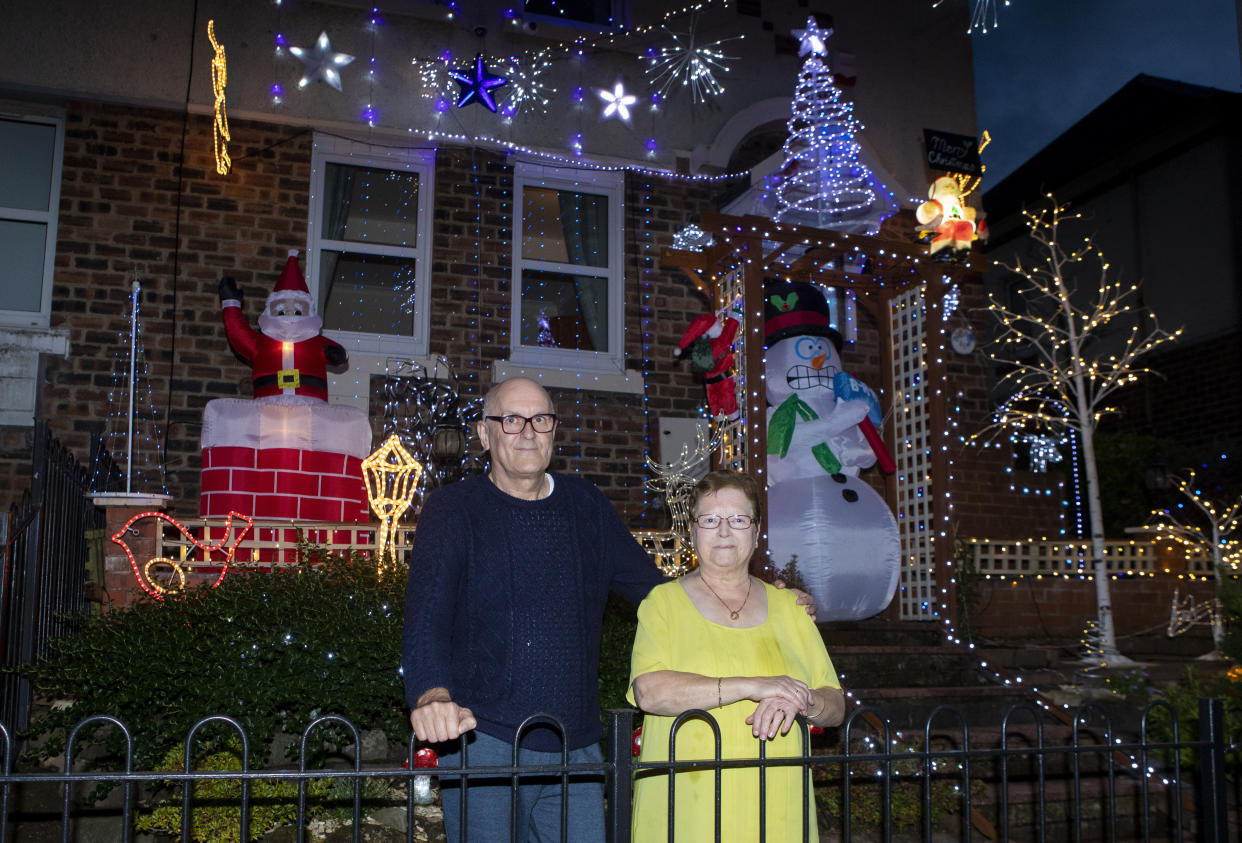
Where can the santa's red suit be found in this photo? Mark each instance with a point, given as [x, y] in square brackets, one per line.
[718, 371]
[289, 356]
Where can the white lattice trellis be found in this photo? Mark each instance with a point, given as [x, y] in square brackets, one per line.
[730, 299]
[907, 329]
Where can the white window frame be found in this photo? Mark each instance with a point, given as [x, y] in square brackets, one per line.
[532, 358]
[50, 218]
[372, 350]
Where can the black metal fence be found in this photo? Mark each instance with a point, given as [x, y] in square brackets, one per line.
[1089, 783]
[43, 579]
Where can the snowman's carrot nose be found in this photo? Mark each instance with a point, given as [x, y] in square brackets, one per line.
[817, 363]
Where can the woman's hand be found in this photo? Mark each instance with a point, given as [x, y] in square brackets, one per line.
[780, 699]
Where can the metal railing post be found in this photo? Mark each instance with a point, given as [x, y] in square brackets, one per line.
[620, 781]
[1213, 817]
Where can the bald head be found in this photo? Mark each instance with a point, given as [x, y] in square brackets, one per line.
[510, 387]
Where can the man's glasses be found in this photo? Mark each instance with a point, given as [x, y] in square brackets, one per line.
[737, 522]
[515, 424]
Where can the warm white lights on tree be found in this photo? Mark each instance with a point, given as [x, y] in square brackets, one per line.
[824, 182]
[1205, 528]
[1066, 355]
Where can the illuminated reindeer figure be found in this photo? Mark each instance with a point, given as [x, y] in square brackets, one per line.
[670, 549]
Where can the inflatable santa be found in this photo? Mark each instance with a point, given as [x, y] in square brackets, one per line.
[288, 453]
[821, 433]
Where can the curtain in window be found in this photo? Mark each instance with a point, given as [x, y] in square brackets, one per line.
[584, 219]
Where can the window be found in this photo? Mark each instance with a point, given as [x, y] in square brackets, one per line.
[31, 148]
[370, 243]
[601, 14]
[567, 269]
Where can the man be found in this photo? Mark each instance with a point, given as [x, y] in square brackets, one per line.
[503, 611]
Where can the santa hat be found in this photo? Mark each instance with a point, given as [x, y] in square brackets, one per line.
[291, 279]
[704, 325]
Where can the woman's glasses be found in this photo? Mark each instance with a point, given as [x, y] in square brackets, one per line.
[711, 522]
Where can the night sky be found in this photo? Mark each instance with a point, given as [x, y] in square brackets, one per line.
[1050, 62]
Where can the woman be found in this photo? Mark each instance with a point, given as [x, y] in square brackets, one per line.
[721, 640]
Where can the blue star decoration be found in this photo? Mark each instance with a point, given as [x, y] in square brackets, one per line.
[478, 88]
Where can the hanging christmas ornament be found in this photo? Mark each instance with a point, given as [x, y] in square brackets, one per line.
[320, 63]
[616, 102]
[478, 86]
[693, 65]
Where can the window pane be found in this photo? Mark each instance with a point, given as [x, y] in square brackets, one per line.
[564, 311]
[370, 205]
[597, 12]
[372, 294]
[22, 244]
[26, 150]
[564, 226]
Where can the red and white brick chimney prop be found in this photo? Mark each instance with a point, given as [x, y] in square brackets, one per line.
[287, 453]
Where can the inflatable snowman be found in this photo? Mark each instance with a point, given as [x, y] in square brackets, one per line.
[821, 433]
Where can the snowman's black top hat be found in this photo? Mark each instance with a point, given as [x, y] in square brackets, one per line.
[794, 309]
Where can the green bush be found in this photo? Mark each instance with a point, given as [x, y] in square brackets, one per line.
[272, 650]
[616, 644]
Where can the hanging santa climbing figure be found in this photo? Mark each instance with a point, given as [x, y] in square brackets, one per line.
[709, 343]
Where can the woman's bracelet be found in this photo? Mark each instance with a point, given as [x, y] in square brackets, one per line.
[719, 699]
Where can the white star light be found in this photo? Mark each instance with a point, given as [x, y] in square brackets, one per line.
[319, 63]
[813, 39]
[619, 102]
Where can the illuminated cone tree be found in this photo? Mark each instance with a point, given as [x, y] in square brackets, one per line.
[1064, 360]
[824, 182]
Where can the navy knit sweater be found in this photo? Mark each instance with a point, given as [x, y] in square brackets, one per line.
[505, 602]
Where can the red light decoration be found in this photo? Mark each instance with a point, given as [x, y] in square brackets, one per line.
[158, 591]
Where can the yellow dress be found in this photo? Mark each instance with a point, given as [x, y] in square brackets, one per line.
[672, 635]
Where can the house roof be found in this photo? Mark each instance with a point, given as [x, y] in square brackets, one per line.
[1146, 121]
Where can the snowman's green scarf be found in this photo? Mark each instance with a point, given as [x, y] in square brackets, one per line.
[780, 432]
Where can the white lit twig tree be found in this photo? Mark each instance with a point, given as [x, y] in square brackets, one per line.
[1206, 529]
[1066, 354]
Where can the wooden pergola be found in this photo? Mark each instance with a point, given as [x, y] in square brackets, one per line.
[746, 250]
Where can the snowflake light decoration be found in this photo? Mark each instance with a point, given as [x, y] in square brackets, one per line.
[616, 102]
[693, 65]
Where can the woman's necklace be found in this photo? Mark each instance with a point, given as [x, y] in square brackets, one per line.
[733, 614]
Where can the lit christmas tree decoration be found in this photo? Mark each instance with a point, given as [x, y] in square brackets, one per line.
[824, 183]
[1064, 385]
[132, 431]
[320, 63]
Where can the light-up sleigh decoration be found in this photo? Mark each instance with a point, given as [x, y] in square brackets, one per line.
[149, 569]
